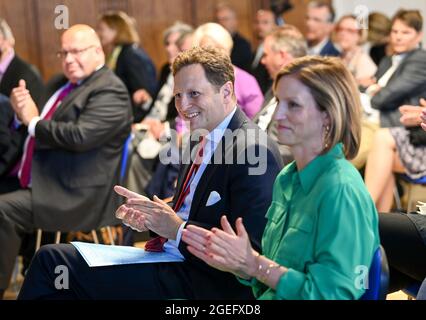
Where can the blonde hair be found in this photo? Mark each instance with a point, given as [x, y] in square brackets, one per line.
[124, 25]
[216, 33]
[6, 31]
[335, 91]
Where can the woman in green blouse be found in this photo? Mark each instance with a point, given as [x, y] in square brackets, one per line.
[322, 228]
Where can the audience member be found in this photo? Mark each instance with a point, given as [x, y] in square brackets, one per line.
[264, 24]
[322, 224]
[72, 154]
[396, 150]
[319, 26]
[13, 68]
[401, 78]
[281, 47]
[349, 37]
[162, 115]
[204, 95]
[247, 90]
[241, 54]
[377, 45]
[130, 63]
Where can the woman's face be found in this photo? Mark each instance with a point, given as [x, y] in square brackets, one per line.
[171, 46]
[404, 38]
[106, 34]
[299, 121]
[347, 34]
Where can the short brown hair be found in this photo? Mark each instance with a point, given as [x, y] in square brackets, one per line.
[335, 91]
[124, 25]
[326, 4]
[411, 18]
[216, 64]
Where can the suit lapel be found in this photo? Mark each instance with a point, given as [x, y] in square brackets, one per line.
[70, 98]
[238, 120]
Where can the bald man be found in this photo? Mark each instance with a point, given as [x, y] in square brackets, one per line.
[72, 155]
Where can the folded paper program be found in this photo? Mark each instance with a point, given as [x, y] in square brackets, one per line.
[99, 255]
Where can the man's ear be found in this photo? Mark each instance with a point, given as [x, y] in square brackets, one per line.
[227, 91]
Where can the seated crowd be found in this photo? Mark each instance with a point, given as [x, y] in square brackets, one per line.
[269, 174]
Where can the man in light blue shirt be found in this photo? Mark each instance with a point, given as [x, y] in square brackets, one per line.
[235, 178]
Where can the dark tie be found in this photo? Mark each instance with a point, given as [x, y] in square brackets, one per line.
[26, 161]
[156, 244]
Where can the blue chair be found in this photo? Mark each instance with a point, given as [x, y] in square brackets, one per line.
[125, 159]
[378, 277]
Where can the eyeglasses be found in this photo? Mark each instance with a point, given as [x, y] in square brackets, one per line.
[62, 54]
[348, 30]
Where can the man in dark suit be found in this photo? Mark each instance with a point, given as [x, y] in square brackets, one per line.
[72, 155]
[227, 181]
[264, 24]
[401, 78]
[13, 68]
[241, 55]
[11, 144]
[406, 86]
[319, 26]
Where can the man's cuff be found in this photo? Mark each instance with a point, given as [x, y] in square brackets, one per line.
[32, 125]
[179, 233]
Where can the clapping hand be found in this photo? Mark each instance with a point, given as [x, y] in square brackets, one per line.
[223, 249]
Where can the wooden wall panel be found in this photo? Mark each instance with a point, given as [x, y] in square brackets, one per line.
[153, 17]
[37, 39]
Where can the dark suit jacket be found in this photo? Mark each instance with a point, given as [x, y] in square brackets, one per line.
[329, 50]
[241, 52]
[242, 195]
[18, 69]
[272, 130]
[11, 139]
[406, 86]
[262, 76]
[76, 162]
[136, 69]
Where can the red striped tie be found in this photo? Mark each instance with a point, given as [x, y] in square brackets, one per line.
[25, 169]
[156, 244]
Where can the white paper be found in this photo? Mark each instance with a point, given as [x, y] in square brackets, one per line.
[99, 255]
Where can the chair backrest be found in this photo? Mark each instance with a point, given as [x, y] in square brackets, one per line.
[378, 277]
[421, 180]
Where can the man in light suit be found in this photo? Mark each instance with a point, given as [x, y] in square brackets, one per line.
[78, 140]
[227, 181]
